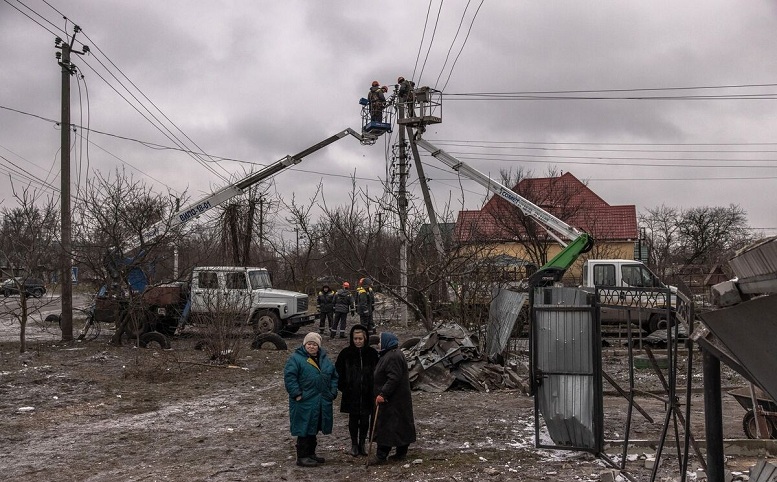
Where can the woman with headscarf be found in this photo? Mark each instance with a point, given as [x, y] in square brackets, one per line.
[395, 424]
[311, 381]
[355, 367]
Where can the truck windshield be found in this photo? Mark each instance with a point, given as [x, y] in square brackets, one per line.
[260, 279]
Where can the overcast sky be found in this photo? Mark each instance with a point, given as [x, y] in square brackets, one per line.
[252, 81]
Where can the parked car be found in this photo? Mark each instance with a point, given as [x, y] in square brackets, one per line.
[32, 287]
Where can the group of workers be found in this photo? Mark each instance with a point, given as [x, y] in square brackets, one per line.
[377, 96]
[335, 306]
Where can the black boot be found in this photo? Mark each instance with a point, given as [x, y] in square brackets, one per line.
[355, 450]
[303, 453]
[312, 452]
[362, 448]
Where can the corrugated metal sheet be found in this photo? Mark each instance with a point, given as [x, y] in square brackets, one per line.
[757, 260]
[749, 330]
[566, 354]
[504, 310]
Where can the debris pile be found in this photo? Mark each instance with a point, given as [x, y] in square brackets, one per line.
[447, 355]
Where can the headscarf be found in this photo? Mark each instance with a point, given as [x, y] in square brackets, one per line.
[388, 341]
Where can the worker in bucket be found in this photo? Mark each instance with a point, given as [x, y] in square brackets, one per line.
[311, 382]
[355, 366]
[377, 100]
[394, 424]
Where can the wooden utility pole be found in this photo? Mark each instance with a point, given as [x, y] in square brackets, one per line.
[68, 69]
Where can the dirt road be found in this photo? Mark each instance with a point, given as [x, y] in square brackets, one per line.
[91, 412]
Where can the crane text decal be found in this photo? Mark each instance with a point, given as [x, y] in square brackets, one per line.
[194, 211]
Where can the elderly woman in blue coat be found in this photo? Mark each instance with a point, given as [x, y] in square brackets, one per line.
[311, 381]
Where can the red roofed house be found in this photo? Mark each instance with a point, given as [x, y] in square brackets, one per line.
[506, 231]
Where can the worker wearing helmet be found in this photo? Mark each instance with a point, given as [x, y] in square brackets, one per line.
[377, 100]
[405, 95]
[343, 306]
[365, 304]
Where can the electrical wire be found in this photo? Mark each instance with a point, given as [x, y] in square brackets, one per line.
[431, 41]
[462, 46]
[423, 36]
[453, 42]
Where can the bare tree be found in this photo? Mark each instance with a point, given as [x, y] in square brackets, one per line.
[708, 233]
[28, 240]
[661, 236]
[701, 235]
[112, 219]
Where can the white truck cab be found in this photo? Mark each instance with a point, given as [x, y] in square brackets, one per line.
[247, 292]
[628, 273]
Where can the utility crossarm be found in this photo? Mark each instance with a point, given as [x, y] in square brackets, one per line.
[578, 242]
[204, 205]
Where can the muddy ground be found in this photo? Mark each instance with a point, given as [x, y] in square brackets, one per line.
[87, 411]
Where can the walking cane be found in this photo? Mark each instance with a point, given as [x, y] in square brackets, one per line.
[372, 434]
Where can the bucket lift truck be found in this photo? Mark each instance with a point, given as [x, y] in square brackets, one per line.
[578, 242]
[166, 307]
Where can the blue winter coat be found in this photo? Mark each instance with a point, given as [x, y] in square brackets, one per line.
[318, 386]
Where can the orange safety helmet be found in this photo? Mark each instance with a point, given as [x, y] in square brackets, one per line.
[361, 281]
[375, 83]
[346, 285]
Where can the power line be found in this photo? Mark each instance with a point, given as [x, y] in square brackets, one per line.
[462, 45]
[453, 42]
[431, 40]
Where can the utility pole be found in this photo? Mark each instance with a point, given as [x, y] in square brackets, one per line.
[66, 259]
[402, 203]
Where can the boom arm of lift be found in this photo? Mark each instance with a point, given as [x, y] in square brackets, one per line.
[204, 205]
[578, 243]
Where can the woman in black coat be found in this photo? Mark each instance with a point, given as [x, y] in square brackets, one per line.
[395, 425]
[355, 366]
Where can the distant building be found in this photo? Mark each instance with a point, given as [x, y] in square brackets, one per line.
[506, 231]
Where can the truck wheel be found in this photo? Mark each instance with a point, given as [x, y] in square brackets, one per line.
[658, 321]
[154, 339]
[37, 293]
[266, 322]
[263, 339]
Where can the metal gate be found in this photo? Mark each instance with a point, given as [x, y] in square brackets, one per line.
[566, 369]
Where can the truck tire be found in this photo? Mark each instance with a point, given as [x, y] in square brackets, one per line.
[262, 339]
[266, 321]
[154, 338]
[658, 321]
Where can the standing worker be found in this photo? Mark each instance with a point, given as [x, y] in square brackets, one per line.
[311, 381]
[377, 99]
[395, 424]
[326, 308]
[365, 304]
[343, 306]
[355, 366]
[405, 94]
